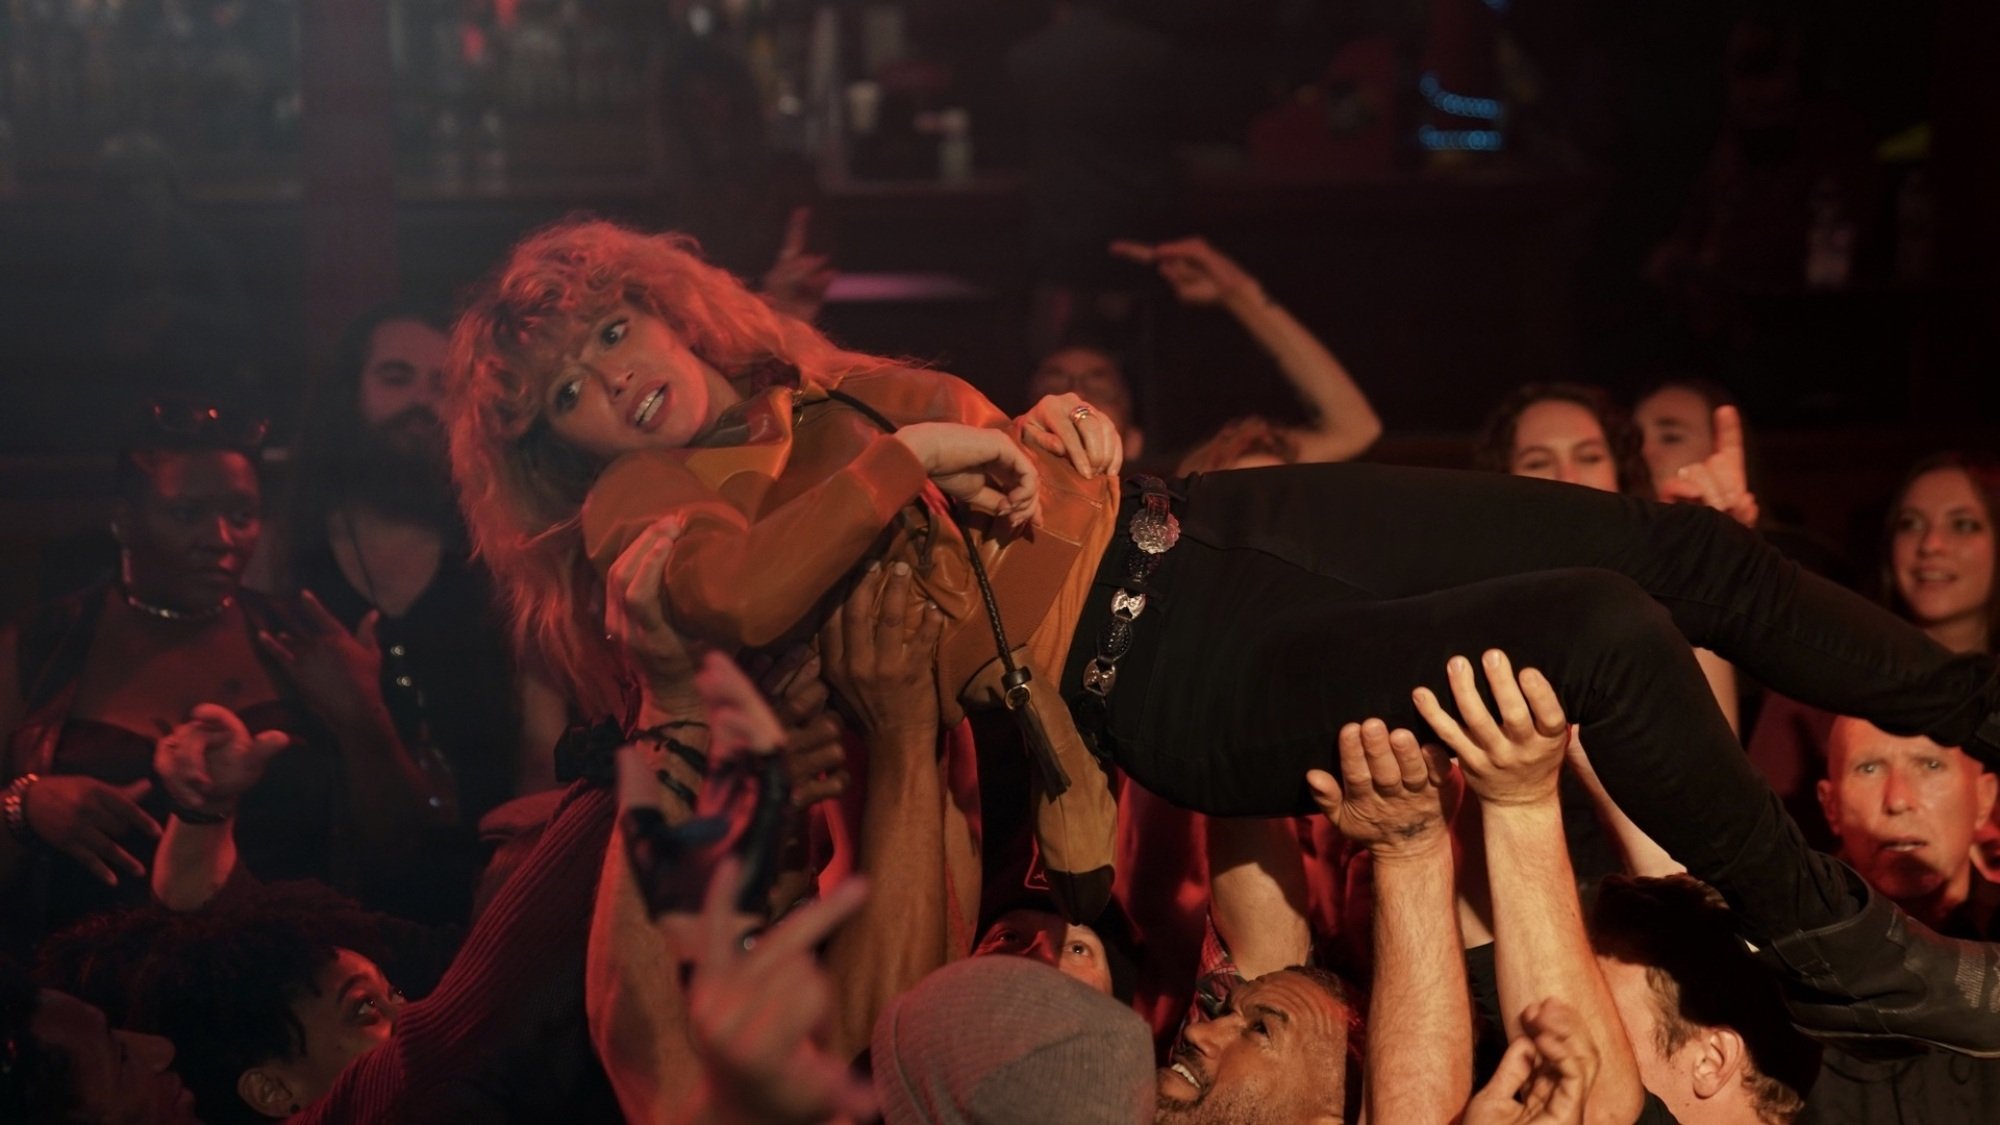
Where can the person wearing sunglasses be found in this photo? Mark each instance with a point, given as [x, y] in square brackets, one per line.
[90, 682]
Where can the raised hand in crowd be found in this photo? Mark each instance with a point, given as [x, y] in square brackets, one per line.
[337, 673]
[1718, 480]
[83, 818]
[1515, 759]
[1067, 426]
[389, 797]
[1546, 1075]
[1391, 800]
[797, 282]
[756, 1008]
[1345, 423]
[1541, 949]
[880, 652]
[207, 763]
[1199, 273]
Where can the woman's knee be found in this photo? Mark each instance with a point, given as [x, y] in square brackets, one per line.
[1604, 612]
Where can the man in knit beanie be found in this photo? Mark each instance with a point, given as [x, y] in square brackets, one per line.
[997, 1040]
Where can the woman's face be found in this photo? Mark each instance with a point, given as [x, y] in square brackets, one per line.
[1678, 427]
[352, 1010]
[1941, 549]
[189, 536]
[634, 385]
[1075, 950]
[1559, 440]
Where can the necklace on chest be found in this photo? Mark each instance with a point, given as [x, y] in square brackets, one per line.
[163, 613]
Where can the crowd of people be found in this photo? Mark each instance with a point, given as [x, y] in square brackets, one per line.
[604, 724]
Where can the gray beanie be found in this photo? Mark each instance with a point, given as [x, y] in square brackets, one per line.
[998, 1040]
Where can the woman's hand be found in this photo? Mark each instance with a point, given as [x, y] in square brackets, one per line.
[337, 672]
[1199, 273]
[986, 469]
[210, 761]
[1067, 426]
[635, 617]
[1516, 760]
[1717, 480]
[83, 817]
[880, 650]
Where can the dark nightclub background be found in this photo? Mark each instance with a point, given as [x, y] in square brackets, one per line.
[1457, 195]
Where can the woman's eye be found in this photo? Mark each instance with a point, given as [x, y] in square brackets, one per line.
[1967, 526]
[611, 333]
[567, 395]
[1078, 949]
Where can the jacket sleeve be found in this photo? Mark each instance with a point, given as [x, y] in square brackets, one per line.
[736, 581]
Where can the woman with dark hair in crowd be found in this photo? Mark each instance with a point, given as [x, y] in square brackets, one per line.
[1938, 568]
[1568, 432]
[88, 684]
[606, 378]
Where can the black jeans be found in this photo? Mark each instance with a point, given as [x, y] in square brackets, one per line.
[1304, 597]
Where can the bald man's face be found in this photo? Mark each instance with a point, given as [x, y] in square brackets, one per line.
[1278, 1053]
[1905, 809]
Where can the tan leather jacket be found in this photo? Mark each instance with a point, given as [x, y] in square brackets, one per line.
[795, 490]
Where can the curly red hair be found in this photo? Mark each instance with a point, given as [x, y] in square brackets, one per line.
[521, 487]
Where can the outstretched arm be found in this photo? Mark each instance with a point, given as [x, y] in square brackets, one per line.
[1344, 424]
[878, 651]
[206, 765]
[1257, 893]
[1541, 951]
[1390, 800]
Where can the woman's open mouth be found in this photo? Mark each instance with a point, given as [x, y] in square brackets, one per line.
[648, 411]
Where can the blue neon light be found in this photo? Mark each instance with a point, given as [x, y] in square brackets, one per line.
[1458, 105]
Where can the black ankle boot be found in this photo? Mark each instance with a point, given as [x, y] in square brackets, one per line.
[1881, 975]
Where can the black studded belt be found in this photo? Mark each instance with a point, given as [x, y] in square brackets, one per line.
[1153, 530]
